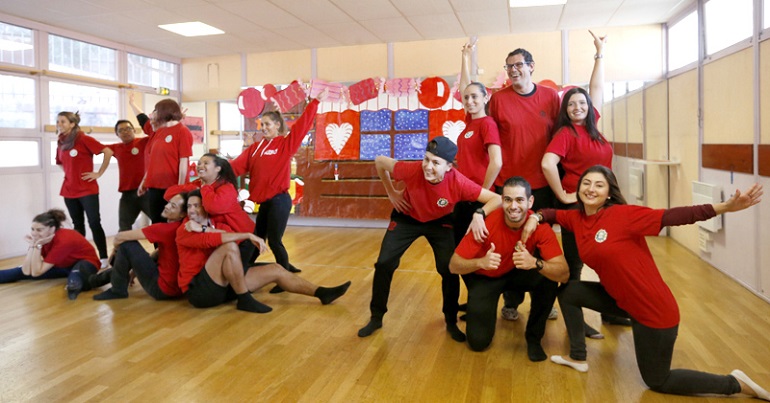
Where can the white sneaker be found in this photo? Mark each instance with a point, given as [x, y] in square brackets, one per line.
[509, 313]
[554, 314]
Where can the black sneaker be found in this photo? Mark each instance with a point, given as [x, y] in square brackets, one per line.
[74, 285]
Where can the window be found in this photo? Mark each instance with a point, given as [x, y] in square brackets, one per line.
[98, 106]
[727, 22]
[75, 57]
[683, 42]
[16, 45]
[17, 102]
[230, 118]
[766, 17]
[19, 153]
[151, 72]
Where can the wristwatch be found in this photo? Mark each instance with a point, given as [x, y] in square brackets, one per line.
[538, 264]
[480, 211]
[204, 228]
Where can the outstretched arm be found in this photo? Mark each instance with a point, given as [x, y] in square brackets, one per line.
[596, 85]
[740, 201]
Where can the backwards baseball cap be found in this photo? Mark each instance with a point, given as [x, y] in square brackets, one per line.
[442, 147]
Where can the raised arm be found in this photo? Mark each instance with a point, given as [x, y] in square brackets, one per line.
[465, 66]
[596, 85]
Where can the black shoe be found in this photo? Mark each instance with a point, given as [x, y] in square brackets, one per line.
[74, 285]
[293, 269]
[277, 290]
[535, 352]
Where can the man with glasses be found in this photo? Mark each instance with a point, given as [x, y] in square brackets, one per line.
[525, 114]
[130, 155]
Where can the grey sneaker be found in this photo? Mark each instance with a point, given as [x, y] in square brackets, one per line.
[509, 313]
[554, 314]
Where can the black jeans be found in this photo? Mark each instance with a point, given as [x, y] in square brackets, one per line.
[272, 218]
[90, 206]
[131, 255]
[484, 294]
[653, 347]
[129, 208]
[155, 204]
[402, 232]
[15, 274]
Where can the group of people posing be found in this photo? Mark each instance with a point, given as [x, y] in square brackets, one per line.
[525, 159]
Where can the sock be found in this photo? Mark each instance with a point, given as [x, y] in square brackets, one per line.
[370, 327]
[109, 294]
[591, 333]
[535, 352]
[247, 303]
[741, 376]
[327, 295]
[276, 290]
[455, 332]
[100, 279]
[580, 367]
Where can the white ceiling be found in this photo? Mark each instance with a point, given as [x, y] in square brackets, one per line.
[253, 26]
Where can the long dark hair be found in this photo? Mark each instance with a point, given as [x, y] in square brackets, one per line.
[615, 196]
[483, 89]
[67, 140]
[51, 218]
[563, 120]
[226, 173]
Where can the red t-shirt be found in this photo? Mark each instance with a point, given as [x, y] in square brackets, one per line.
[578, 153]
[268, 162]
[505, 239]
[164, 235]
[194, 250]
[431, 201]
[130, 163]
[525, 123]
[612, 243]
[472, 155]
[166, 147]
[76, 161]
[67, 248]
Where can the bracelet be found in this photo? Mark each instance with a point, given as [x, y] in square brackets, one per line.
[598, 56]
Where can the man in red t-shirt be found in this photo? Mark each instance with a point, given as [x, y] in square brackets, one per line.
[502, 262]
[130, 155]
[424, 208]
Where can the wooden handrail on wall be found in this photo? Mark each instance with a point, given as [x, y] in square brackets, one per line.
[67, 76]
[89, 129]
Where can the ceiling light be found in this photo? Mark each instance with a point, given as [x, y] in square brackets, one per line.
[12, 46]
[536, 3]
[195, 28]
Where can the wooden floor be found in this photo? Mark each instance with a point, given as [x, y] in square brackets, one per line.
[136, 349]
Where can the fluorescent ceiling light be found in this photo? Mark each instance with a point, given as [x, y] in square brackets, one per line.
[535, 3]
[12, 46]
[195, 28]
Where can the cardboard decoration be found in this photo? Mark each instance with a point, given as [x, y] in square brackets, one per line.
[434, 92]
[336, 90]
[269, 90]
[290, 96]
[401, 87]
[363, 91]
[448, 123]
[338, 136]
[250, 102]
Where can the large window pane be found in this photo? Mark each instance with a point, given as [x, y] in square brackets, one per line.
[17, 153]
[97, 106]
[766, 18]
[727, 22]
[151, 72]
[683, 42]
[230, 118]
[75, 57]
[17, 102]
[16, 45]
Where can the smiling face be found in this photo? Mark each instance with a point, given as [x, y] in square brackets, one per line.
[593, 192]
[174, 209]
[40, 231]
[195, 210]
[474, 100]
[521, 78]
[270, 127]
[434, 168]
[577, 108]
[208, 171]
[125, 132]
[64, 125]
[515, 206]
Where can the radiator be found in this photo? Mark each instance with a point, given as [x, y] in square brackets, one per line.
[706, 193]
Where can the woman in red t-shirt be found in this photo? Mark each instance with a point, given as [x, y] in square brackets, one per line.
[610, 235]
[56, 252]
[75, 153]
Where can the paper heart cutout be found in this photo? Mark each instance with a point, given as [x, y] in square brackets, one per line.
[452, 130]
[338, 135]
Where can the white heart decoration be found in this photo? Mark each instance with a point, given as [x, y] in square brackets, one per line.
[338, 135]
[452, 130]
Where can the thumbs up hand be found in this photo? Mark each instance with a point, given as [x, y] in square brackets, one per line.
[490, 261]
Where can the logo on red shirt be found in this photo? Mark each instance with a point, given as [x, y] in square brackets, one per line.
[73, 153]
[392, 226]
[270, 152]
[468, 134]
[442, 202]
[134, 151]
[600, 236]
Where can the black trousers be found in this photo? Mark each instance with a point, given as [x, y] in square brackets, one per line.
[131, 255]
[90, 206]
[484, 294]
[654, 348]
[402, 232]
[129, 208]
[272, 218]
[155, 204]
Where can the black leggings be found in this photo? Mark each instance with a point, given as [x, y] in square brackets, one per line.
[90, 205]
[654, 347]
[272, 218]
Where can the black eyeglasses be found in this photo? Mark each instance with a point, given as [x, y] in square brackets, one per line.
[517, 66]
